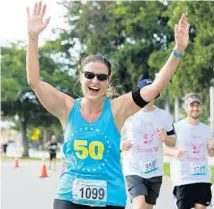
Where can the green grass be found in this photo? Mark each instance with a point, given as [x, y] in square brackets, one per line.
[167, 171]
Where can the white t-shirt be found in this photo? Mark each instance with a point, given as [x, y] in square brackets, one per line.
[145, 158]
[193, 168]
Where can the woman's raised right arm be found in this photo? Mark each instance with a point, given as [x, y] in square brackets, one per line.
[56, 102]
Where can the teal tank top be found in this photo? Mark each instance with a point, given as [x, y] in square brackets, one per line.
[93, 174]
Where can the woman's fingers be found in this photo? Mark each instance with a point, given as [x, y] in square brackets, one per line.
[47, 21]
[39, 8]
[35, 8]
[42, 13]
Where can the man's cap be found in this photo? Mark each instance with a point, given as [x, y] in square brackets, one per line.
[144, 83]
[190, 98]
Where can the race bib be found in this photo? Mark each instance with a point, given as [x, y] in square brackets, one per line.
[90, 192]
[198, 169]
[149, 166]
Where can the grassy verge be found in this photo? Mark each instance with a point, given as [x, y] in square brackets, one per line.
[167, 171]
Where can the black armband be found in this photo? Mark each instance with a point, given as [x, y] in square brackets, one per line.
[169, 133]
[137, 97]
[172, 132]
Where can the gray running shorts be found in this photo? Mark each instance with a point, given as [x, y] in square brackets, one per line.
[150, 187]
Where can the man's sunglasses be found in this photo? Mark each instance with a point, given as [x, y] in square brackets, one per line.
[100, 77]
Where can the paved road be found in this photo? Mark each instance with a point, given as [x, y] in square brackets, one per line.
[23, 189]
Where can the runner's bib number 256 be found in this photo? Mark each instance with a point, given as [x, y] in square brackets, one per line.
[90, 192]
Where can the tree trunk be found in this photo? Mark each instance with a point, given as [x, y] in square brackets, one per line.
[44, 137]
[23, 127]
[212, 110]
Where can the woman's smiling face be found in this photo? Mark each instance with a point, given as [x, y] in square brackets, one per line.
[94, 80]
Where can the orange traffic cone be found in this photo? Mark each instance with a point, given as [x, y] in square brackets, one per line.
[16, 163]
[44, 172]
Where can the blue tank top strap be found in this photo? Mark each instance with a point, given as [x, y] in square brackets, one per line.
[108, 107]
[74, 110]
[107, 103]
[106, 115]
[73, 117]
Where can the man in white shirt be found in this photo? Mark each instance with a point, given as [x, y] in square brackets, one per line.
[190, 172]
[143, 135]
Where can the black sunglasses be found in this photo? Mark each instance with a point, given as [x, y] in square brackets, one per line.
[100, 77]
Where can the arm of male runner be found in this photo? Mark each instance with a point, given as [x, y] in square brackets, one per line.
[126, 145]
[164, 137]
[211, 148]
[174, 152]
[46, 94]
[124, 106]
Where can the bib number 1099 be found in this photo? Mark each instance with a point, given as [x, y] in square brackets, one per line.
[90, 192]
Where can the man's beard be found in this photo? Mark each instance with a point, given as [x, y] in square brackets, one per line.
[195, 117]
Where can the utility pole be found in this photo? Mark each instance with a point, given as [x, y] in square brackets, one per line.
[176, 109]
[212, 110]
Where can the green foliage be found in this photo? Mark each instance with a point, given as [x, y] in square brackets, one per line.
[127, 32]
[196, 70]
[17, 96]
